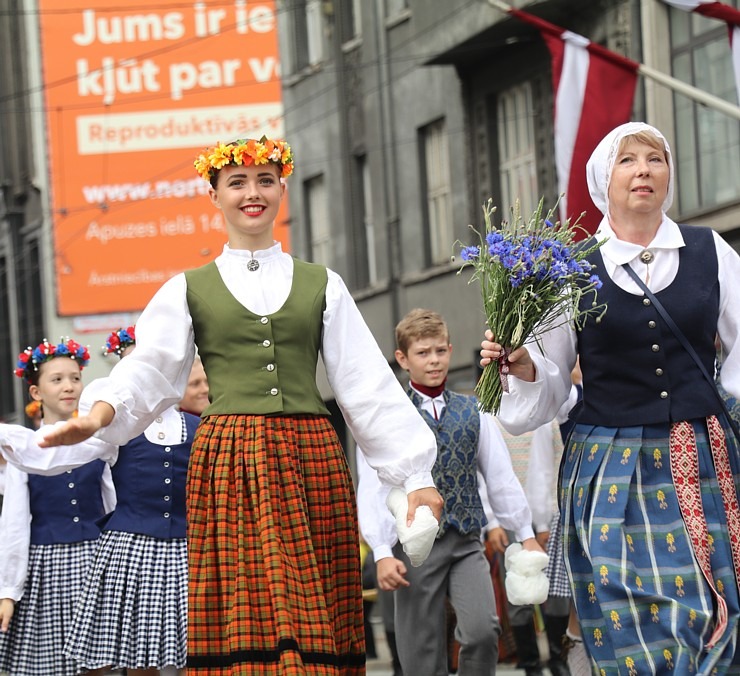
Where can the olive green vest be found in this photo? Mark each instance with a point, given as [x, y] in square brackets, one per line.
[259, 364]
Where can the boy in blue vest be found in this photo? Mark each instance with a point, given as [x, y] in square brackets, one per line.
[467, 441]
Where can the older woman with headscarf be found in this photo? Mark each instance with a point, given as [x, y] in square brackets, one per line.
[649, 487]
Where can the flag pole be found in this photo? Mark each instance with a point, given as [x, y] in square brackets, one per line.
[702, 97]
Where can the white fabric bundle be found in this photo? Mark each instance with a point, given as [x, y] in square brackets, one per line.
[526, 582]
[418, 538]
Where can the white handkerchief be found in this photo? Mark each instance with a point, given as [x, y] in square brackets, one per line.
[418, 538]
[526, 582]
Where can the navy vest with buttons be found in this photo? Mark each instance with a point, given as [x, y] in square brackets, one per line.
[455, 471]
[66, 507]
[150, 485]
[635, 372]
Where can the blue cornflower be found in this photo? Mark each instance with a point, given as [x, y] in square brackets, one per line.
[469, 253]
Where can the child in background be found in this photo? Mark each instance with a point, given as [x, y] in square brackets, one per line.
[48, 526]
[535, 457]
[132, 612]
[273, 544]
[457, 566]
[195, 400]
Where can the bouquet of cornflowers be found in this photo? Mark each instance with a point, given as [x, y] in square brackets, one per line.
[533, 275]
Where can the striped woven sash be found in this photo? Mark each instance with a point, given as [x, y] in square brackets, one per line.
[685, 472]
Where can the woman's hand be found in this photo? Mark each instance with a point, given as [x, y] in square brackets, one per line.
[424, 496]
[7, 606]
[81, 428]
[520, 362]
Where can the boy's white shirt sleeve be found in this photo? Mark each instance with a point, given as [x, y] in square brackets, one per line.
[15, 534]
[505, 493]
[385, 423]
[377, 525]
[19, 446]
[491, 520]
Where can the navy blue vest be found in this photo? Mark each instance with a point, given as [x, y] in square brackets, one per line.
[66, 507]
[635, 372]
[150, 485]
[455, 471]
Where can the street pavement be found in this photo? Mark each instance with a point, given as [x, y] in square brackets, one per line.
[382, 665]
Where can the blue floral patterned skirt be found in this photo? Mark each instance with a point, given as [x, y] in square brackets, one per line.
[649, 546]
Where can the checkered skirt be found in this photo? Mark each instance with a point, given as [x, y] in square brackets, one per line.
[132, 612]
[41, 621]
[556, 571]
[274, 562]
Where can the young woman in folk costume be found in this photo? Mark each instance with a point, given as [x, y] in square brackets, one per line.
[48, 526]
[274, 564]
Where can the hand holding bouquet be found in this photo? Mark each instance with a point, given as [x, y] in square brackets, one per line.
[533, 275]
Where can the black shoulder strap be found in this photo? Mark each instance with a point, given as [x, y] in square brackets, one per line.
[684, 341]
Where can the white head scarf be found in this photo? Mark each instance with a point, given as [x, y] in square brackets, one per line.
[600, 164]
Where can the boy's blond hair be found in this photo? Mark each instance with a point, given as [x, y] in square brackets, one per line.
[420, 323]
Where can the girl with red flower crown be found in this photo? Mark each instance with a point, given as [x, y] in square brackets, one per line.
[273, 544]
[48, 526]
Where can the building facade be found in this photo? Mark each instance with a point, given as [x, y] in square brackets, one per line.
[23, 254]
[407, 115]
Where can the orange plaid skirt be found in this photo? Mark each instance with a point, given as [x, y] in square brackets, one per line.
[273, 549]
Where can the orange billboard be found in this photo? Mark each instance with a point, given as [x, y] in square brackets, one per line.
[133, 92]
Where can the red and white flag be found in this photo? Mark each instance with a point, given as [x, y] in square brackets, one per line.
[594, 90]
[723, 12]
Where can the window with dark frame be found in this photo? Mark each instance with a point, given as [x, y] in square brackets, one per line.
[318, 231]
[436, 192]
[707, 153]
[350, 20]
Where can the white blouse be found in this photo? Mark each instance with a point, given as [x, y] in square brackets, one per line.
[15, 521]
[380, 416]
[19, 446]
[529, 405]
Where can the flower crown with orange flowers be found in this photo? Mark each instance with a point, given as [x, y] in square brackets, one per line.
[245, 152]
[32, 357]
[119, 340]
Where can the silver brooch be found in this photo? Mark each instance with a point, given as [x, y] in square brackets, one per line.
[647, 257]
[253, 265]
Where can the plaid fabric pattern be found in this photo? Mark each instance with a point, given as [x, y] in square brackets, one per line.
[42, 617]
[132, 612]
[273, 544]
[643, 603]
[556, 572]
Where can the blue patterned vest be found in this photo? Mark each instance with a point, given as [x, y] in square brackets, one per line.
[456, 467]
